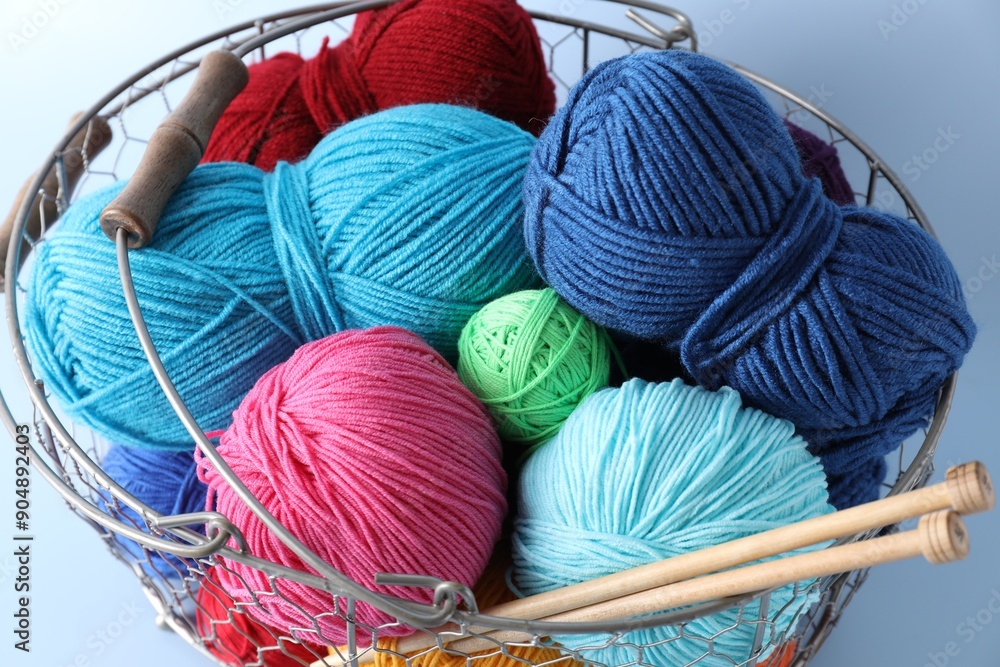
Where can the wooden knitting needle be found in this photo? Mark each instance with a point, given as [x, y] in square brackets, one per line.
[93, 138]
[941, 537]
[968, 489]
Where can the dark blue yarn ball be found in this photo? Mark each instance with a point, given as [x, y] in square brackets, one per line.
[861, 484]
[666, 202]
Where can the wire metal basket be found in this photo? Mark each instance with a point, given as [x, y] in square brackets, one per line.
[69, 457]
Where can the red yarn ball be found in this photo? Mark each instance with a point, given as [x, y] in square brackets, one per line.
[237, 639]
[483, 54]
[367, 447]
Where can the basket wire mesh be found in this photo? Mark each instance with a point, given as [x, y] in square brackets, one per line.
[174, 560]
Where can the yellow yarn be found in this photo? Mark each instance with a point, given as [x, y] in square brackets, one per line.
[516, 656]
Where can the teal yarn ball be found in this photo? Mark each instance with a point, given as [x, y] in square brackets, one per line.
[408, 217]
[648, 471]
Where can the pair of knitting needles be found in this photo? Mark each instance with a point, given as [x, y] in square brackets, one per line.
[705, 575]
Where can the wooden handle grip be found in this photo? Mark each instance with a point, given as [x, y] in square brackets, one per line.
[175, 149]
[88, 143]
[967, 488]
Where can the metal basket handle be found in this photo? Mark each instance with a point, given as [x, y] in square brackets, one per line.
[175, 149]
[179, 142]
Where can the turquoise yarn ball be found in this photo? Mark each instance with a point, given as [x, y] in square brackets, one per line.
[409, 217]
[649, 471]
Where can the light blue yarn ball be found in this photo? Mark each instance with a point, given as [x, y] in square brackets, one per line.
[649, 471]
[410, 217]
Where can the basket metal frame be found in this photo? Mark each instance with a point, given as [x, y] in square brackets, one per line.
[220, 530]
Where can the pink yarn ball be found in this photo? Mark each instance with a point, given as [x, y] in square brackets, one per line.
[369, 449]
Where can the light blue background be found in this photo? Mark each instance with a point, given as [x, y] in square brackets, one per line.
[935, 67]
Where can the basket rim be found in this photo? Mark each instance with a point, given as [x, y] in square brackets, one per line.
[915, 474]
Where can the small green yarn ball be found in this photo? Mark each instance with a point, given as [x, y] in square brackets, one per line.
[532, 359]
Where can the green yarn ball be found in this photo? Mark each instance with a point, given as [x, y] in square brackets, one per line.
[532, 359]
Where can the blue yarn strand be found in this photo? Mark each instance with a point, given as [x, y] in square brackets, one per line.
[297, 247]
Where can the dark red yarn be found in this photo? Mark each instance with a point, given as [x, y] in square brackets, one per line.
[478, 53]
[820, 159]
[234, 637]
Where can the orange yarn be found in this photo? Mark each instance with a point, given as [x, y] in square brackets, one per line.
[783, 656]
[515, 656]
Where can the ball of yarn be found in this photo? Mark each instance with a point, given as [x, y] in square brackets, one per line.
[820, 159]
[238, 639]
[369, 449]
[532, 359]
[166, 481]
[666, 201]
[408, 217]
[664, 469]
[483, 54]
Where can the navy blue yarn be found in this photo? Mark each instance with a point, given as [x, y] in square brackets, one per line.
[861, 484]
[666, 201]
